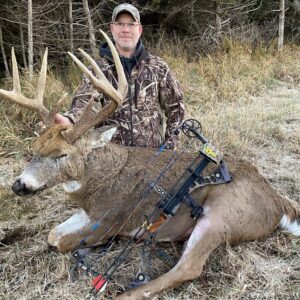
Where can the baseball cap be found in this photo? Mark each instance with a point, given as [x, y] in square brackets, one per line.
[126, 7]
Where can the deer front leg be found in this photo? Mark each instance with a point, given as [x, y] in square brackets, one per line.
[77, 232]
[207, 235]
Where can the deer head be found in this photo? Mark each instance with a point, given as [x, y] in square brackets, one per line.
[59, 146]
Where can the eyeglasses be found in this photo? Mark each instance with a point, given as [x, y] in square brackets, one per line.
[130, 25]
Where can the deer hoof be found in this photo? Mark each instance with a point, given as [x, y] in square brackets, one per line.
[135, 294]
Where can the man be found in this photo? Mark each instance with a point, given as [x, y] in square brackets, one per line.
[153, 107]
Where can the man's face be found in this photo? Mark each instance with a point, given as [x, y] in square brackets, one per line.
[126, 33]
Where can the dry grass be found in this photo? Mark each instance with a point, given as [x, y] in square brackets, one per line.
[248, 103]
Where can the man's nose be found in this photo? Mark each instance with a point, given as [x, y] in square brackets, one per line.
[125, 28]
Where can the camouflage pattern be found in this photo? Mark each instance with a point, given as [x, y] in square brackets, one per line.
[151, 111]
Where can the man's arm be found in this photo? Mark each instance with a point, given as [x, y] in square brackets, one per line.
[171, 100]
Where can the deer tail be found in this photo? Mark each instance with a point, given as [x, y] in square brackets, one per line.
[290, 220]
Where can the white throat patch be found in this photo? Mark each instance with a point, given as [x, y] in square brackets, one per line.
[71, 186]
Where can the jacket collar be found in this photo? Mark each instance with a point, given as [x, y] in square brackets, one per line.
[140, 53]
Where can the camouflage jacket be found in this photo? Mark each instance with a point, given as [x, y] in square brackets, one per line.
[152, 109]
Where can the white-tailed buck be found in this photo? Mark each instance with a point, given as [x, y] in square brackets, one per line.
[106, 180]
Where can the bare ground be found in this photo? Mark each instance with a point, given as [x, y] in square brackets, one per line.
[269, 269]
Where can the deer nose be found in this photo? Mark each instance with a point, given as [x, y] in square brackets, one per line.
[20, 188]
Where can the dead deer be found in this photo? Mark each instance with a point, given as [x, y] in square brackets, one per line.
[106, 180]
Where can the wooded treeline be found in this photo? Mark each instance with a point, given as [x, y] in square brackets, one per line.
[64, 25]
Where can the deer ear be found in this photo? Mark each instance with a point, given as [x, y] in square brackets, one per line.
[99, 137]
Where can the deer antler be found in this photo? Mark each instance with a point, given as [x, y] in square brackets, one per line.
[89, 118]
[36, 103]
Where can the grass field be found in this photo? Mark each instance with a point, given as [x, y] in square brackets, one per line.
[249, 105]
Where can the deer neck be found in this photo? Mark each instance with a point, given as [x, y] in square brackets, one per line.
[101, 170]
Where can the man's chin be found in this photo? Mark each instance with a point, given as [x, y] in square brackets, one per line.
[127, 48]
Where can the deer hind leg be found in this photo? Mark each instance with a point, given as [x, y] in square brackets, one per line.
[206, 236]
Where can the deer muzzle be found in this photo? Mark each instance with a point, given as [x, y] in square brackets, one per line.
[22, 189]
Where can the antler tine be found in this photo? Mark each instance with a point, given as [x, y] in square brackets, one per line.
[88, 118]
[16, 96]
[100, 83]
[42, 79]
[122, 82]
[16, 78]
[51, 117]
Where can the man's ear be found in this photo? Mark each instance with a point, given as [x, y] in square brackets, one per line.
[140, 29]
[99, 137]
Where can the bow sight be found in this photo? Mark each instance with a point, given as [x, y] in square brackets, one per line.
[170, 201]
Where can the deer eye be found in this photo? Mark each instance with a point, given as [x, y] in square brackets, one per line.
[60, 156]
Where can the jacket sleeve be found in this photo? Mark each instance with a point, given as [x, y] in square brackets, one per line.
[81, 98]
[171, 100]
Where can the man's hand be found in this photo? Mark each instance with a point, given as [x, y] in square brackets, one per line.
[60, 119]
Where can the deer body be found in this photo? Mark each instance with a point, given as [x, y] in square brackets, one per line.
[107, 182]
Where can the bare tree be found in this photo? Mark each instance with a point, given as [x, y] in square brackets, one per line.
[63, 25]
[71, 25]
[3, 54]
[281, 24]
[30, 40]
[23, 44]
[91, 28]
[218, 11]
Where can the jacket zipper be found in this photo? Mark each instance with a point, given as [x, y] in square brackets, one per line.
[130, 107]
